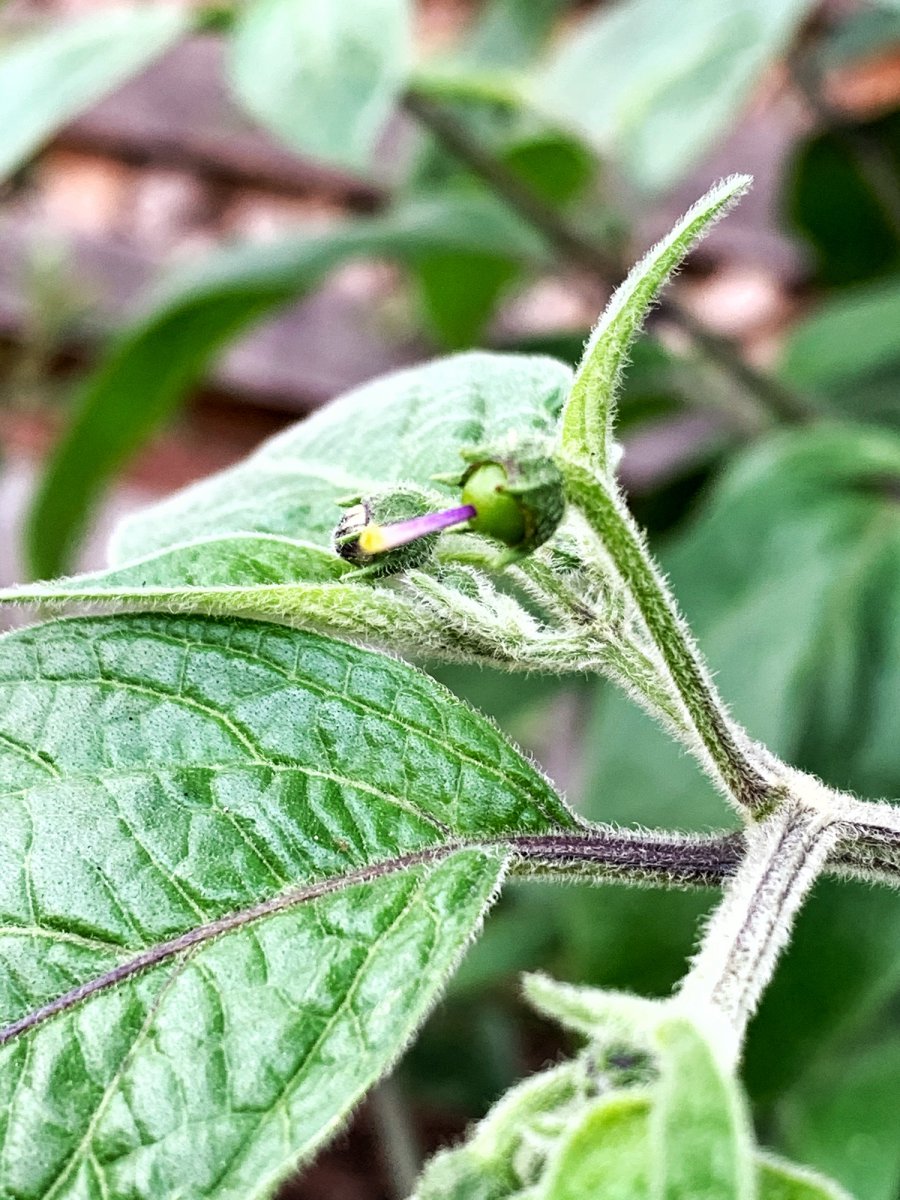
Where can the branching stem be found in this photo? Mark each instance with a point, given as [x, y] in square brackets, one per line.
[740, 947]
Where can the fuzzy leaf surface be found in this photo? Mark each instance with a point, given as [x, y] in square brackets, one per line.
[239, 863]
[587, 424]
[323, 77]
[405, 427]
[158, 358]
[702, 1144]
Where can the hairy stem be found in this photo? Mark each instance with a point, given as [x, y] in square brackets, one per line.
[647, 858]
[741, 944]
[576, 248]
[721, 743]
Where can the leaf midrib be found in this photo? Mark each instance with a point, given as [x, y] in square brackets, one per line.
[199, 935]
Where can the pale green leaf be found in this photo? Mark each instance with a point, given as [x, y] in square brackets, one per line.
[50, 77]
[405, 427]
[323, 77]
[507, 1151]
[702, 1142]
[605, 1154]
[655, 93]
[238, 864]
[780, 1180]
[157, 360]
[587, 425]
[601, 1016]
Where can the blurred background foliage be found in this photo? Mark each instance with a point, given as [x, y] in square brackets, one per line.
[215, 218]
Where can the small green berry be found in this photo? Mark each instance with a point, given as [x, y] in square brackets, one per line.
[499, 513]
[517, 490]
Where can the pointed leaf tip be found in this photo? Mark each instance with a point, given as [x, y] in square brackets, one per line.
[587, 422]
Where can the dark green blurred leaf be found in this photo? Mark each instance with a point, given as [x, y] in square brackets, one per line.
[847, 353]
[851, 226]
[323, 77]
[51, 77]
[842, 1118]
[655, 93]
[155, 362]
[460, 291]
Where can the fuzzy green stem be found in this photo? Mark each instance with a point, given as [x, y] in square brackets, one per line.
[784, 856]
[722, 744]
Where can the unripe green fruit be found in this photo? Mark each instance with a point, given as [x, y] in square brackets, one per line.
[518, 491]
[499, 513]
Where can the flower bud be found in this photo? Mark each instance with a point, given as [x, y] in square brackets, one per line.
[393, 531]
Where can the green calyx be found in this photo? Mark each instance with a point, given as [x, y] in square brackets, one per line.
[517, 490]
[385, 508]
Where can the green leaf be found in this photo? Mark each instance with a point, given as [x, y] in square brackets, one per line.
[50, 77]
[460, 291]
[832, 202]
[605, 1153]
[655, 95]
[601, 1016]
[842, 1116]
[405, 427]
[508, 33]
[778, 1180]
[702, 1143]
[323, 77]
[848, 351]
[238, 864]
[851, 335]
[587, 424]
[155, 362]
[507, 1150]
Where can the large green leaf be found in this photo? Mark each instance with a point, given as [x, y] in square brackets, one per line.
[49, 78]
[405, 427]
[655, 93]
[238, 864]
[323, 77]
[154, 363]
